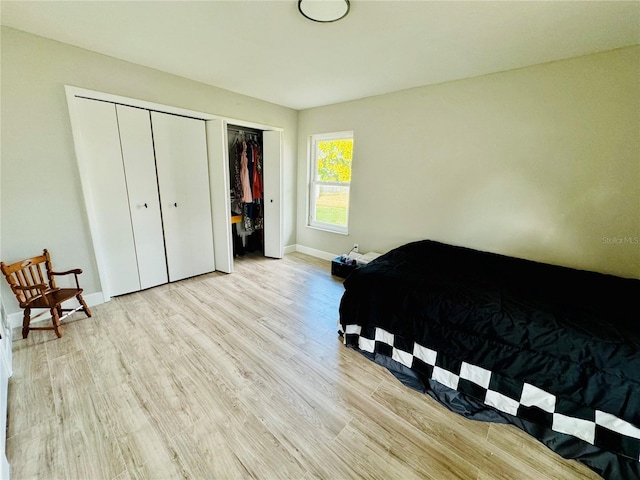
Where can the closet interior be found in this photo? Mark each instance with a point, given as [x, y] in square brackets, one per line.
[246, 189]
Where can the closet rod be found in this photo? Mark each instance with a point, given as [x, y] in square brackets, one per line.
[242, 131]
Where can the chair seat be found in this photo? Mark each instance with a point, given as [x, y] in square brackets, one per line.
[56, 297]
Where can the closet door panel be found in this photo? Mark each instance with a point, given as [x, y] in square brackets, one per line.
[272, 180]
[183, 178]
[105, 191]
[142, 187]
[218, 153]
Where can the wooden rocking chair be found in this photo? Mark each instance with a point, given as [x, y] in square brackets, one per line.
[35, 289]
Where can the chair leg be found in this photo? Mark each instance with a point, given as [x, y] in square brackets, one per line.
[55, 319]
[85, 308]
[25, 322]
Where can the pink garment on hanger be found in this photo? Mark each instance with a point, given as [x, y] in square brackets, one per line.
[244, 176]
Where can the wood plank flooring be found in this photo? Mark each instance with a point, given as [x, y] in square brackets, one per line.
[239, 376]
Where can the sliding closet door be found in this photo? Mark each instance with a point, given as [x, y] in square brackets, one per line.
[142, 186]
[183, 177]
[105, 189]
[272, 179]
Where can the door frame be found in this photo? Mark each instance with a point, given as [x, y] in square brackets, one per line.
[219, 179]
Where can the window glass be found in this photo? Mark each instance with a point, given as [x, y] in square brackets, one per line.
[331, 158]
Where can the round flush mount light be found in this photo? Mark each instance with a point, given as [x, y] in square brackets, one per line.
[324, 11]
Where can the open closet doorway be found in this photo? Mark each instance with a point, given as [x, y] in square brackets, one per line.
[224, 137]
[246, 190]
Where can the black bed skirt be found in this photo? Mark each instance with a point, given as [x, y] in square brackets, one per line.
[606, 464]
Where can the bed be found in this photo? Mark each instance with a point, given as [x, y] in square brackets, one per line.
[550, 349]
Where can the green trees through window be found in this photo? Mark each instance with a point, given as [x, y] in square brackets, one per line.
[334, 160]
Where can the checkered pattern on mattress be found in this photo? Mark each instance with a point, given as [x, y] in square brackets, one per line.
[514, 397]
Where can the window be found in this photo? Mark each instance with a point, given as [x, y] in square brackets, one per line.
[331, 155]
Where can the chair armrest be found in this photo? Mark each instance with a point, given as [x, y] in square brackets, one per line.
[38, 286]
[22, 299]
[75, 271]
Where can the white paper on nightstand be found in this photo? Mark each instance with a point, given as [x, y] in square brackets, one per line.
[367, 257]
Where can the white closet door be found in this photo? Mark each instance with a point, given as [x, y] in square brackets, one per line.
[142, 186]
[272, 172]
[106, 193]
[183, 178]
[219, 184]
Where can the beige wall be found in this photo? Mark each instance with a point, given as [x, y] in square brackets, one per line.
[42, 202]
[540, 162]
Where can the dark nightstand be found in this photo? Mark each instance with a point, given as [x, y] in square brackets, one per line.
[341, 268]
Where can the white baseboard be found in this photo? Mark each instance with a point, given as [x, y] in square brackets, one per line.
[15, 319]
[315, 253]
[93, 299]
[290, 249]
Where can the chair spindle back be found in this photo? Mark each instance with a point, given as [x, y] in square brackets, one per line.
[29, 273]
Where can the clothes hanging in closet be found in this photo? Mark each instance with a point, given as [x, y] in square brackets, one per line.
[247, 189]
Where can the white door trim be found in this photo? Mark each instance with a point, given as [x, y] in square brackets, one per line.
[73, 92]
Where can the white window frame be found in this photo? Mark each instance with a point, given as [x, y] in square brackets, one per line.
[314, 182]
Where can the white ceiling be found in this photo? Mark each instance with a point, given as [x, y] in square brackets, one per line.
[266, 49]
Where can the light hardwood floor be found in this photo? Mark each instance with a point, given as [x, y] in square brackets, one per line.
[239, 376]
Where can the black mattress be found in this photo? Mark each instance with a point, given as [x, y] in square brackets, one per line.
[556, 347]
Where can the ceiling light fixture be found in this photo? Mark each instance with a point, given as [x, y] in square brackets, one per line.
[324, 11]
